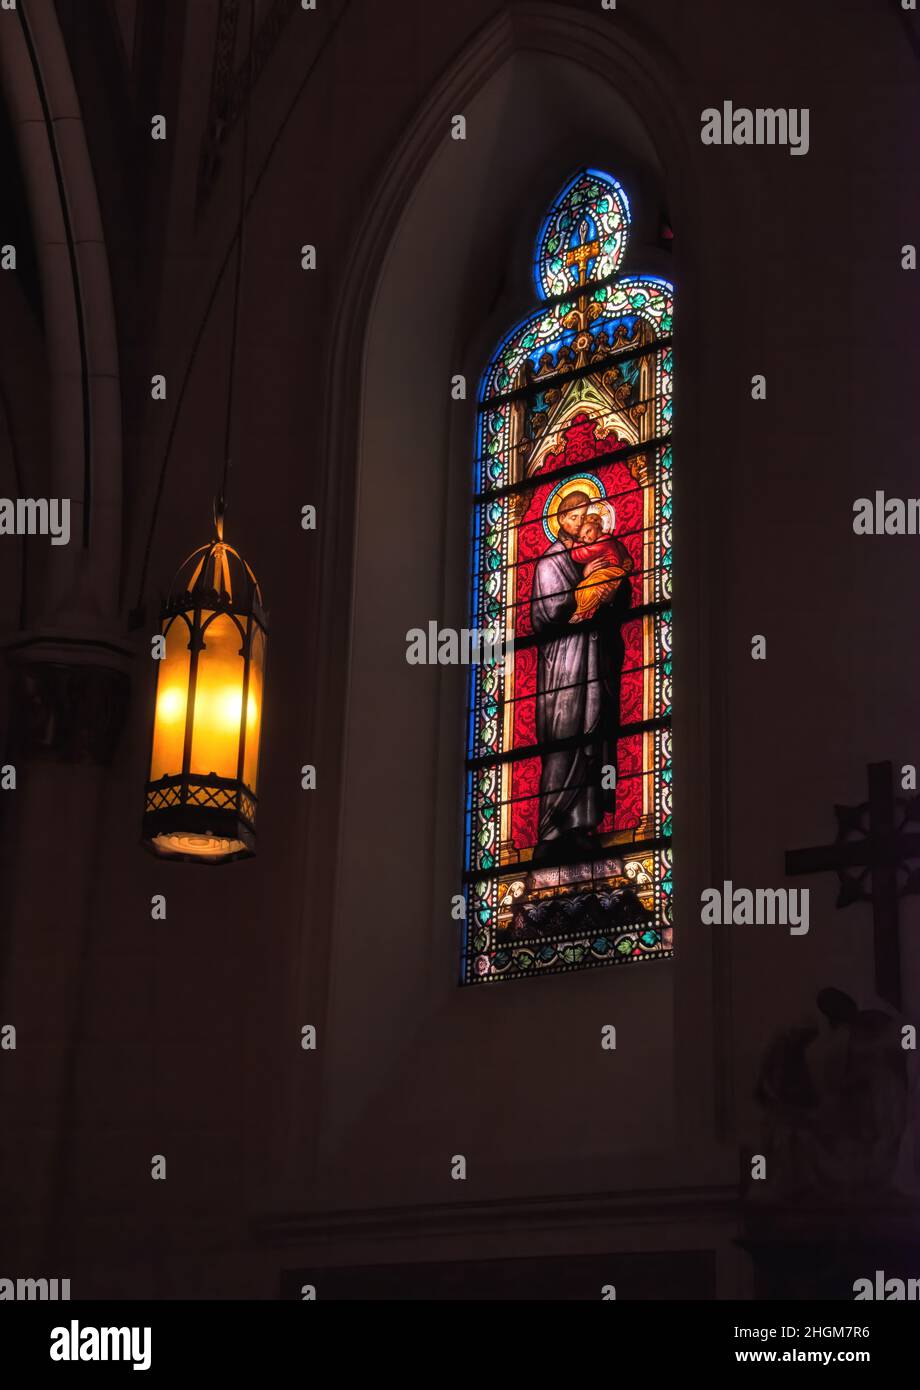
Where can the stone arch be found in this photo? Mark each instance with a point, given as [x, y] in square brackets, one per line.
[81, 580]
[365, 380]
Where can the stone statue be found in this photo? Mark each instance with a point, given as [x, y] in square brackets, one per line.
[837, 1107]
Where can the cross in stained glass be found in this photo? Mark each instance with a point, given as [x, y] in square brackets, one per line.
[582, 253]
[870, 857]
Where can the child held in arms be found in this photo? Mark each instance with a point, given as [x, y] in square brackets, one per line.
[606, 561]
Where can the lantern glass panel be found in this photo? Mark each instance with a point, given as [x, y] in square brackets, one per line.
[218, 699]
[172, 702]
[254, 709]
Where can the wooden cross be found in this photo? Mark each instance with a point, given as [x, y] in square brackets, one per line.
[874, 844]
[582, 253]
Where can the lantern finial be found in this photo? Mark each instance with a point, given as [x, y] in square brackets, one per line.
[220, 511]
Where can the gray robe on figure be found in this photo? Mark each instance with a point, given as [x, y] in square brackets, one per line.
[578, 675]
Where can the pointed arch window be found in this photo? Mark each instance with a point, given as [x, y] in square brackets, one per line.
[568, 773]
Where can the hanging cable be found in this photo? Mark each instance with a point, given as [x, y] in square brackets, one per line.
[221, 503]
[135, 617]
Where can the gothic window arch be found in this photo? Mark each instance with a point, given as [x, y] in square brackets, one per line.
[568, 773]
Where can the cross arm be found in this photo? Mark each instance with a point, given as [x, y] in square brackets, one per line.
[876, 850]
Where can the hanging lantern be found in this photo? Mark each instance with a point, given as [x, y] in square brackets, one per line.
[201, 792]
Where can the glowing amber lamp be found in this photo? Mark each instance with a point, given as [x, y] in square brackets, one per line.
[201, 794]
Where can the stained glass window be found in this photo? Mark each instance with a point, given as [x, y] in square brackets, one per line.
[568, 773]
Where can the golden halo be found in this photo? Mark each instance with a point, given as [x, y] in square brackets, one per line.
[586, 483]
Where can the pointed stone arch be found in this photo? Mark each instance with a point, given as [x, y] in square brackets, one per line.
[363, 378]
[81, 580]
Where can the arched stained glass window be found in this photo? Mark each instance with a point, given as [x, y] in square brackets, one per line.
[568, 787]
